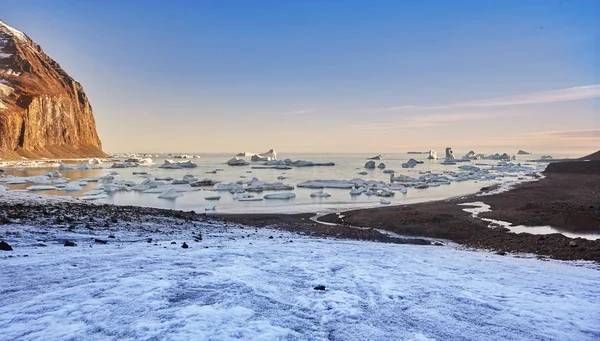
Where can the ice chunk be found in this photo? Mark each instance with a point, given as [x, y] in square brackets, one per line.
[280, 196]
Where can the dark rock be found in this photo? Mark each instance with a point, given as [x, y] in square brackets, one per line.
[112, 236]
[572, 243]
[319, 287]
[173, 242]
[100, 241]
[270, 237]
[149, 240]
[184, 245]
[68, 243]
[501, 253]
[5, 247]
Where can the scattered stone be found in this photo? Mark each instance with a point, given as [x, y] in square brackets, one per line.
[149, 240]
[319, 287]
[5, 247]
[501, 253]
[270, 237]
[184, 245]
[112, 236]
[68, 243]
[173, 243]
[572, 243]
[100, 241]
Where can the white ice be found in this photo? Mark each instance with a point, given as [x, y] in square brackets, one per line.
[256, 288]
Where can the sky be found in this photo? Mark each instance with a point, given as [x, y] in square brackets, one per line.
[329, 76]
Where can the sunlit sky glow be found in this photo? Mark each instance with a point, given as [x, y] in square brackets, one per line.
[329, 76]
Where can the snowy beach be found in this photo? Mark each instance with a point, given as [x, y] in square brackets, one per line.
[242, 283]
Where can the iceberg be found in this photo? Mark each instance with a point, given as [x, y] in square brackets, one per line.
[522, 152]
[283, 196]
[432, 155]
[320, 194]
[357, 191]
[449, 153]
[95, 161]
[123, 165]
[376, 157]
[384, 193]
[384, 201]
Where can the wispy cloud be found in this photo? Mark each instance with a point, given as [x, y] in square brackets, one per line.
[583, 133]
[298, 112]
[552, 96]
[422, 121]
[404, 107]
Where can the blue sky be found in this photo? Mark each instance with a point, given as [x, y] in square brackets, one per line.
[213, 76]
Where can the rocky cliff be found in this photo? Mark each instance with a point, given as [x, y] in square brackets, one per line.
[43, 111]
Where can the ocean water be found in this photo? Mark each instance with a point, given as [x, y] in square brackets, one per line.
[347, 167]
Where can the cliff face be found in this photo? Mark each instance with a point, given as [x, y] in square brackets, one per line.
[43, 111]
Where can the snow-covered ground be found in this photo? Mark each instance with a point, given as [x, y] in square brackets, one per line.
[240, 284]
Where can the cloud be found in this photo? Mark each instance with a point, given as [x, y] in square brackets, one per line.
[298, 112]
[421, 121]
[583, 133]
[552, 96]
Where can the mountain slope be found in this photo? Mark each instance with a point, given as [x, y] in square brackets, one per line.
[43, 111]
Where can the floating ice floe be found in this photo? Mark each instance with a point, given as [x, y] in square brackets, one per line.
[73, 187]
[410, 163]
[65, 166]
[169, 164]
[236, 161]
[170, 194]
[164, 178]
[320, 194]
[242, 195]
[94, 196]
[41, 188]
[357, 191]
[204, 183]
[376, 157]
[384, 201]
[401, 178]
[280, 196]
[214, 197]
[250, 199]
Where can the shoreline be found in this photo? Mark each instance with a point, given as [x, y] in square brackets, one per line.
[560, 198]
